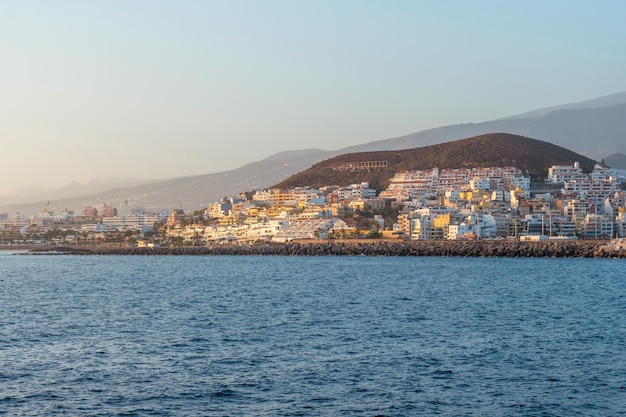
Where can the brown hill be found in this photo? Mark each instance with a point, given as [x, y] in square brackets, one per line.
[495, 149]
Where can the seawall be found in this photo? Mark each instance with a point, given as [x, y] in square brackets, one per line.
[559, 249]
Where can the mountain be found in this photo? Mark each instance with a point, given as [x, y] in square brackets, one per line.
[496, 149]
[616, 160]
[74, 189]
[600, 102]
[593, 132]
[595, 128]
[188, 193]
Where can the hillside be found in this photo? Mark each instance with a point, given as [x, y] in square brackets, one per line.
[189, 193]
[496, 149]
[593, 132]
[617, 160]
[595, 128]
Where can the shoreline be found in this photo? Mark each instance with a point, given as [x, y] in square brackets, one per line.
[492, 248]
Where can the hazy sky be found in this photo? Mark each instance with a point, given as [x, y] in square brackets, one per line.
[159, 89]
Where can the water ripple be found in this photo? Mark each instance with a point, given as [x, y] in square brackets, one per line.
[271, 336]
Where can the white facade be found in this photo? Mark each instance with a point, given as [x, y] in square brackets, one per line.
[558, 174]
[143, 222]
[306, 229]
[596, 226]
[596, 190]
[480, 184]
[456, 231]
[483, 225]
[424, 182]
[95, 228]
[521, 182]
[16, 221]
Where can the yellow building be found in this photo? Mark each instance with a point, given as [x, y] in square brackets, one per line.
[282, 197]
[440, 226]
[357, 205]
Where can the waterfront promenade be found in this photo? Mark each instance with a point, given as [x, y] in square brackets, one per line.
[486, 248]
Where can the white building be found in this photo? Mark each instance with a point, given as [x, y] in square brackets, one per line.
[15, 221]
[595, 190]
[142, 222]
[304, 229]
[356, 191]
[596, 226]
[558, 174]
[422, 224]
[483, 225]
[94, 228]
[457, 231]
[480, 184]
[620, 224]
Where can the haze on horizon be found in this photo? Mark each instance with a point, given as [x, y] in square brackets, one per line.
[157, 89]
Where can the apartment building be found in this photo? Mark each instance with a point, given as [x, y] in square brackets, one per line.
[595, 190]
[558, 174]
[596, 226]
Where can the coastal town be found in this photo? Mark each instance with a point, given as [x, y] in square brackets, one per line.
[481, 203]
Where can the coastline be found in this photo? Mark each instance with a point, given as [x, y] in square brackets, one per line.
[490, 248]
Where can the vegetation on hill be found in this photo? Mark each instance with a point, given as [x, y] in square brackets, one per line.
[495, 149]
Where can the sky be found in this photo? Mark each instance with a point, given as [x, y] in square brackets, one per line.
[161, 89]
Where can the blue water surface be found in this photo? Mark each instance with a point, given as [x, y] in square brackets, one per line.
[311, 336]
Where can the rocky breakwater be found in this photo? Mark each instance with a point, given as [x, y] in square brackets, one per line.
[491, 248]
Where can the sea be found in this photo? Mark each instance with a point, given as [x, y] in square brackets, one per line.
[311, 336]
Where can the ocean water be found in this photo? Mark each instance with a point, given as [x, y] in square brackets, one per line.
[311, 336]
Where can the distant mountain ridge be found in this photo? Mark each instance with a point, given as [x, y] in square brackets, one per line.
[595, 128]
[75, 188]
[617, 161]
[495, 149]
[188, 193]
[595, 133]
[600, 102]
